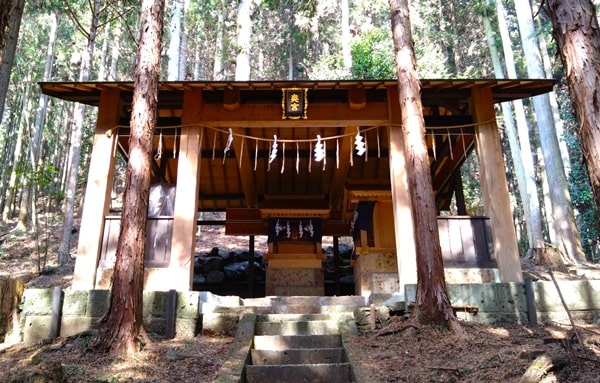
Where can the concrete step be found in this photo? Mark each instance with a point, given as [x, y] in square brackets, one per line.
[293, 317]
[301, 309]
[298, 356]
[307, 301]
[314, 327]
[299, 373]
[284, 342]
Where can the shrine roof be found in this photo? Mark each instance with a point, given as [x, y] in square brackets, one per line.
[502, 89]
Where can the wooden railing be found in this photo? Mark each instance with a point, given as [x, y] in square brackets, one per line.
[466, 241]
[158, 241]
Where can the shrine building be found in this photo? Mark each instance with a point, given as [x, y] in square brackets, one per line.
[296, 161]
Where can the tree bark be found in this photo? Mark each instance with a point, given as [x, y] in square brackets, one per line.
[8, 43]
[121, 329]
[432, 305]
[578, 37]
[11, 292]
[568, 240]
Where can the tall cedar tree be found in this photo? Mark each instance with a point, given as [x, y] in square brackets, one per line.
[578, 36]
[433, 305]
[121, 329]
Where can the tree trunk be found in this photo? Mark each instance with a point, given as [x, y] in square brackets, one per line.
[578, 37]
[346, 54]
[432, 305]
[562, 209]
[8, 42]
[76, 139]
[558, 122]
[244, 37]
[218, 69]
[17, 155]
[529, 196]
[11, 292]
[174, 40]
[121, 329]
[36, 136]
[511, 130]
[116, 48]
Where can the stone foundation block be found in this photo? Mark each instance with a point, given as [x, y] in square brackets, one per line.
[75, 302]
[37, 328]
[73, 325]
[37, 301]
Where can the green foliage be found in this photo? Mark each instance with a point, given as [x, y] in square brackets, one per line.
[373, 56]
[582, 198]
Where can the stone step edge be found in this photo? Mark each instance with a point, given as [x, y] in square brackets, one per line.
[284, 342]
[298, 356]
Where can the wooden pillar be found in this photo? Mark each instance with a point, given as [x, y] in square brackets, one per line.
[98, 191]
[181, 266]
[494, 186]
[406, 252]
[251, 270]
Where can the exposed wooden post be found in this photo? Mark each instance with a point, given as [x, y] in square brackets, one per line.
[181, 266]
[171, 315]
[251, 270]
[98, 190]
[336, 264]
[494, 186]
[56, 317]
[406, 252]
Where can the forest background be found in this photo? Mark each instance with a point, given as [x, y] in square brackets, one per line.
[45, 143]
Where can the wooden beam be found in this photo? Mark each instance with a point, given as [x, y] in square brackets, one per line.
[357, 98]
[295, 264]
[231, 98]
[269, 115]
[494, 186]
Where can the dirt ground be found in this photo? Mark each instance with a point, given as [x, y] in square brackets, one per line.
[397, 353]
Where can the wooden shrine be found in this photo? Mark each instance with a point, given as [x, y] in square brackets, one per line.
[297, 161]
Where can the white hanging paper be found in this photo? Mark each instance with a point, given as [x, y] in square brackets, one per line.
[378, 145]
[319, 152]
[283, 158]
[297, 158]
[158, 154]
[274, 145]
[255, 154]
[359, 144]
[175, 144]
[228, 144]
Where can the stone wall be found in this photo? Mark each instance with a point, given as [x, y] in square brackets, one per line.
[81, 309]
[376, 275]
[497, 303]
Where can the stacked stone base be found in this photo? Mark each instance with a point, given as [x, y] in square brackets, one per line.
[294, 282]
[82, 309]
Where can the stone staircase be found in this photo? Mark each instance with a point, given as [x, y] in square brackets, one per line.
[295, 348]
[294, 340]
